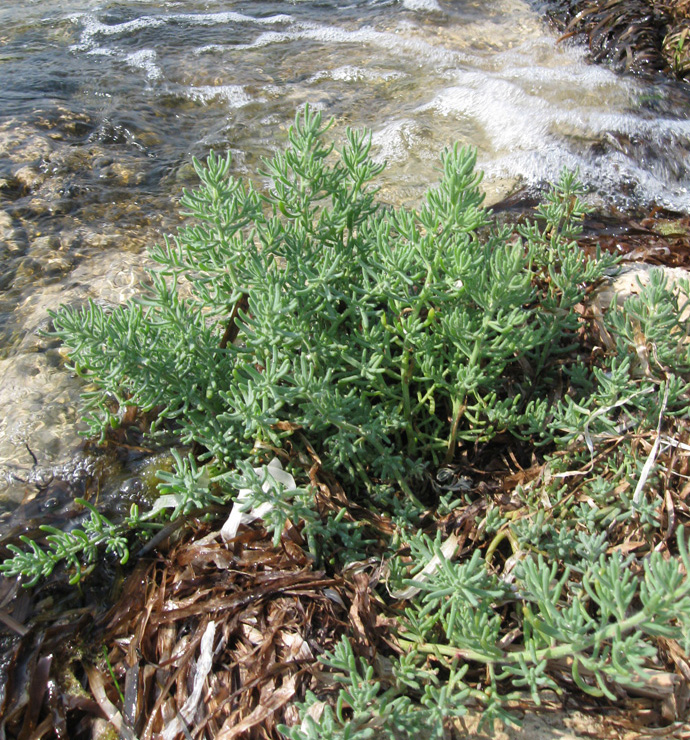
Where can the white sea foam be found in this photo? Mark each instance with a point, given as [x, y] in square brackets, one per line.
[330, 36]
[234, 95]
[145, 59]
[579, 75]
[422, 5]
[393, 141]
[93, 29]
[612, 175]
[351, 73]
[102, 51]
[508, 116]
[514, 118]
[268, 38]
[208, 49]
[656, 129]
[225, 17]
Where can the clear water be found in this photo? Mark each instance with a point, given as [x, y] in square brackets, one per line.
[103, 104]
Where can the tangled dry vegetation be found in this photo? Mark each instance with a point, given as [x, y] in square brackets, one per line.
[637, 35]
[526, 553]
[206, 639]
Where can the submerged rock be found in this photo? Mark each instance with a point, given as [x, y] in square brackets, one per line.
[29, 177]
[7, 231]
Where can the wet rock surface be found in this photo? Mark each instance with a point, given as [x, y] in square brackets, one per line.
[71, 229]
[39, 397]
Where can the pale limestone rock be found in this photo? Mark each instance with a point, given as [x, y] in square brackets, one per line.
[631, 279]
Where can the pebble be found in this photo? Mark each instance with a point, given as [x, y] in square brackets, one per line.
[12, 241]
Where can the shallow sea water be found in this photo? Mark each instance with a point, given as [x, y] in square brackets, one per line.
[103, 104]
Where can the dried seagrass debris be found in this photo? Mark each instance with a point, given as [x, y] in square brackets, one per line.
[265, 612]
[642, 36]
[658, 239]
[271, 616]
[655, 237]
[214, 640]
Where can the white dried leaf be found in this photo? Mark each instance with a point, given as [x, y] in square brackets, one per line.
[203, 666]
[237, 516]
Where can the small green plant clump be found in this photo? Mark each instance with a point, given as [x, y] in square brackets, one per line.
[376, 344]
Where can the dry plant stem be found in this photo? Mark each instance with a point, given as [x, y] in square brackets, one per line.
[231, 329]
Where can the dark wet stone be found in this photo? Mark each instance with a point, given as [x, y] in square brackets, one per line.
[133, 489]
